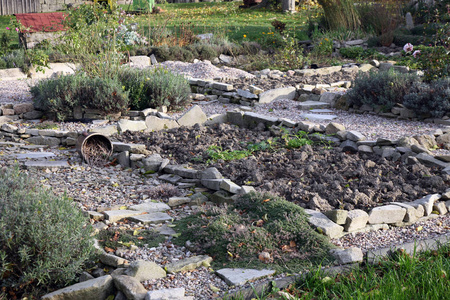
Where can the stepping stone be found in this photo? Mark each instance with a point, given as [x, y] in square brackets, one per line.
[153, 218]
[98, 288]
[150, 207]
[236, 277]
[315, 117]
[34, 155]
[321, 110]
[307, 105]
[47, 164]
[165, 230]
[116, 215]
[11, 144]
[188, 264]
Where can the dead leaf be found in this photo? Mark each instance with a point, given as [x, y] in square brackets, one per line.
[267, 200]
[107, 249]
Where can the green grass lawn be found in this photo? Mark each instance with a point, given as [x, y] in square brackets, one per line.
[236, 23]
[422, 276]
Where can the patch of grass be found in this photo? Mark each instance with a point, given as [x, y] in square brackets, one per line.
[113, 239]
[46, 125]
[259, 231]
[420, 276]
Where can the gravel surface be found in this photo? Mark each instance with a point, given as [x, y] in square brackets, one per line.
[112, 187]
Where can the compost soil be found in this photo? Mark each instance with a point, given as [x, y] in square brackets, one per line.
[314, 176]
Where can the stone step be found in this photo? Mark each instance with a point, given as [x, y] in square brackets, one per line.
[44, 164]
[317, 117]
[307, 105]
[236, 277]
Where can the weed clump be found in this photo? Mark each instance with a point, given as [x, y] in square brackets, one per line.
[257, 223]
[44, 238]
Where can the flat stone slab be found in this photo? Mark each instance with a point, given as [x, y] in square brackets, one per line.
[322, 110]
[116, 215]
[325, 225]
[32, 155]
[94, 289]
[307, 105]
[150, 207]
[236, 277]
[152, 218]
[47, 164]
[188, 264]
[287, 93]
[316, 117]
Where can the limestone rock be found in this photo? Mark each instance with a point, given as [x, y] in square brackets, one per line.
[348, 256]
[112, 260]
[333, 128]
[167, 294]
[130, 286]
[188, 264]
[324, 225]
[193, 116]
[387, 214]
[237, 277]
[426, 202]
[145, 270]
[338, 216]
[154, 123]
[124, 125]
[276, 94]
[356, 219]
[94, 289]
[116, 215]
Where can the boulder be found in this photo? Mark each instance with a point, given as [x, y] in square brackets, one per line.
[333, 128]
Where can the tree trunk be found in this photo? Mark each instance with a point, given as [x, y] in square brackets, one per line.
[288, 6]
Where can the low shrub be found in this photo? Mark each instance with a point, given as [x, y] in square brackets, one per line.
[380, 89]
[44, 239]
[15, 59]
[429, 99]
[257, 223]
[357, 52]
[60, 95]
[151, 88]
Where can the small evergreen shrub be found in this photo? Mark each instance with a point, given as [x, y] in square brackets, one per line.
[206, 52]
[257, 222]
[15, 59]
[60, 95]
[44, 239]
[357, 52]
[429, 99]
[151, 88]
[380, 89]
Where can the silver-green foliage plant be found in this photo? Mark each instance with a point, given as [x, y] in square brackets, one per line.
[44, 238]
[151, 88]
[381, 89]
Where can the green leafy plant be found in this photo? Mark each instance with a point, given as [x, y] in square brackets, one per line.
[216, 152]
[45, 239]
[295, 140]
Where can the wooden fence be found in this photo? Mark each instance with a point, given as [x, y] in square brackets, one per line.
[9, 7]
